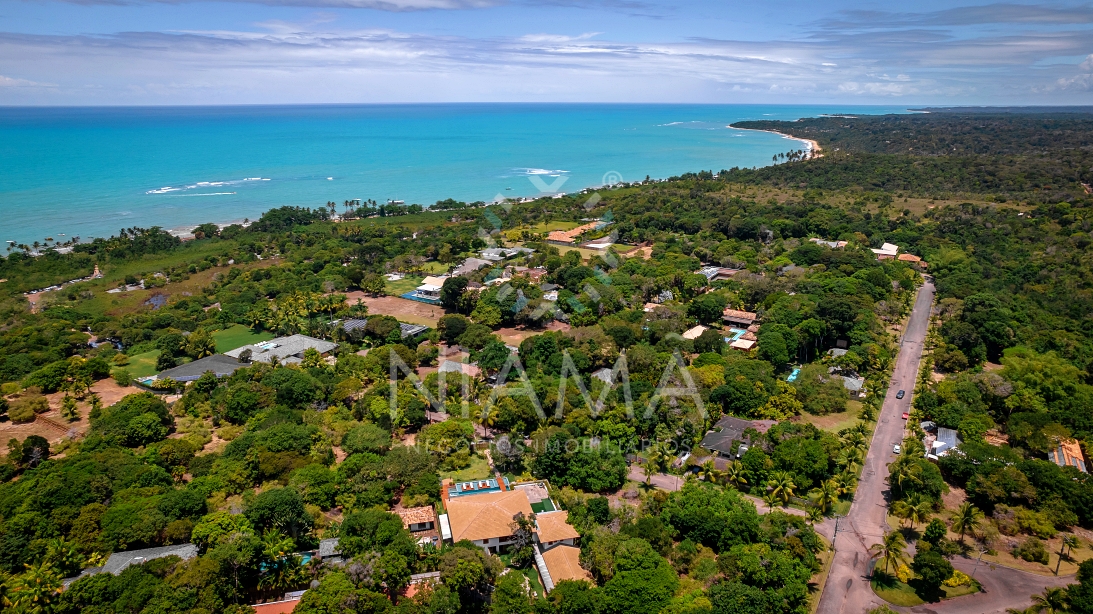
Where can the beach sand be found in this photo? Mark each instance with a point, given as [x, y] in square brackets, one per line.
[813, 146]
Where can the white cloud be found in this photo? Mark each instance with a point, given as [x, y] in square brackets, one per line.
[12, 82]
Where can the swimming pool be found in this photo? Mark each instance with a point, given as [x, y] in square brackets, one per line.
[735, 334]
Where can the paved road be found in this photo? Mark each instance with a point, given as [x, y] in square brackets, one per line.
[847, 588]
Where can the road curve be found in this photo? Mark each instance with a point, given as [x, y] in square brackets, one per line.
[847, 588]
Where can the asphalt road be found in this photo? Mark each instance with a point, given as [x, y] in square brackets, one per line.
[847, 588]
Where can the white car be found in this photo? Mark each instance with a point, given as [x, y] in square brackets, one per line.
[895, 449]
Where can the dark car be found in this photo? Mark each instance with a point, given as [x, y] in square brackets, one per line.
[899, 395]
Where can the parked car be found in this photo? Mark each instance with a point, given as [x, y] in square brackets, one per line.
[899, 395]
[895, 449]
[906, 415]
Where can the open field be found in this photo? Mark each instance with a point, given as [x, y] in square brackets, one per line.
[109, 392]
[552, 226]
[237, 336]
[833, 423]
[142, 365]
[405, 310]
[402, 286]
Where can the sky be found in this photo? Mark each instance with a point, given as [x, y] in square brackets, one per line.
[183, 52]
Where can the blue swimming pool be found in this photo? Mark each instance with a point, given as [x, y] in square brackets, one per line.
[793, 376]
[735, 334]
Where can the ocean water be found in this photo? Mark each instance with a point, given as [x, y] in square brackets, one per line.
[89, 172]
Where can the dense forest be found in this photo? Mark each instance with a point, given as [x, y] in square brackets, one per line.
[259, 466]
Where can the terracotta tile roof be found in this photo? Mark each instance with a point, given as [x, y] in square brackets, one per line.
[486, 515]
[736, 313]
[554, 527]
[564, 563]
[416, 515]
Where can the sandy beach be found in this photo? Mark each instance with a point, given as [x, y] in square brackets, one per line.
[812, 146]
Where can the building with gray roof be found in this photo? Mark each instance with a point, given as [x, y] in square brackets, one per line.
[217, 364]
[284, 349]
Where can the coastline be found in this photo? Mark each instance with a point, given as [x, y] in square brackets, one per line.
[813, 146]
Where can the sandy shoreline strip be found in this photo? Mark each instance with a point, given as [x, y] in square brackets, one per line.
[813, 146]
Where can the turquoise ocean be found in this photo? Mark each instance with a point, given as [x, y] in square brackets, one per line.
[89, 172]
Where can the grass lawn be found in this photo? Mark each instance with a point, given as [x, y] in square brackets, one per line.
[435, 267]
[550, 226]
[530, 572]
[542, 506]
[833, 423]
[142, 365]
[402, 286]
[237, 336]
[897, 593]
[478, 470]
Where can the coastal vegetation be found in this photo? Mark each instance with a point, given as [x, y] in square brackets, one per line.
[258, 467]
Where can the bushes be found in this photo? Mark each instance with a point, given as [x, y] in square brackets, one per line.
[366, 438]
[1032, 550]
[136, 420]
[23, 410]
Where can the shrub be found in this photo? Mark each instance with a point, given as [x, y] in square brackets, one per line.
[959, 579]
[366, 438]
[122, 377]
[23, 410]
[1032, 550]
[905, 574]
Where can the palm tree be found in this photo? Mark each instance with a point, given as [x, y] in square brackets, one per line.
[1069, 542]
[709, 472]
[782, 486]
[825, 495]
[35, 589]
[966, 519]
[850, 458]
[919, 511]
[1051, 601]
[900, 509]
[770, 499]
[736, 475]
[890, 549]
[846, 482]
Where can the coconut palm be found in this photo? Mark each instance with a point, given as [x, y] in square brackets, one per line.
[846, 482]
[850, 458]
[736, 475]
[890, 549]
[1069, 542]
[919, 510]
[900, 509]
[35, 590]
[966, 519]
[825, 496]
[1051, 601]
[770, 499]
[782, 486]
[709, 472]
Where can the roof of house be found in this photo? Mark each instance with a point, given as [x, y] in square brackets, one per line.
[831, 244]
[694, 333]
[328, 547]
[888, 249]
[1069, 453]
[451, 366]
[742, 344]
[283, 347]
[853, 384]
[728, 431]
[737, 314]
[120, 561]
[219, 364]
[554, 527]
[486, 515]
[470, 265]
[416, 515]
[277, 607]
[564, 563]
[909, 258]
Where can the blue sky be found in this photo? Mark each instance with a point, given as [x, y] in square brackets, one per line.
[105, 52]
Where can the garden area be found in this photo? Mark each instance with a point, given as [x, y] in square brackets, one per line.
[237, 336]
